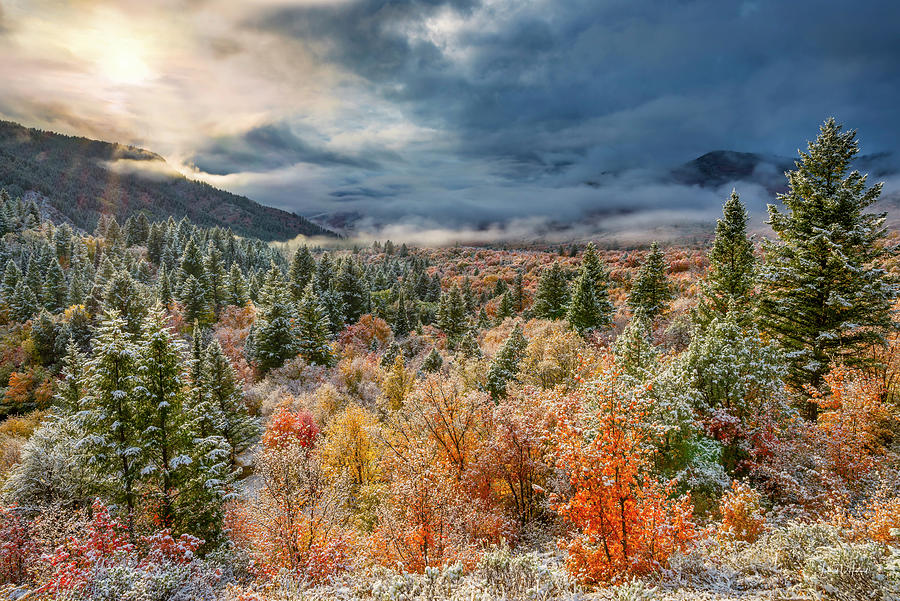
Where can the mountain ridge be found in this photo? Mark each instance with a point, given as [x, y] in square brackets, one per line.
[84, 178]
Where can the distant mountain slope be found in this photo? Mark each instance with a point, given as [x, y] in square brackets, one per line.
[84, 178]
[722, 166]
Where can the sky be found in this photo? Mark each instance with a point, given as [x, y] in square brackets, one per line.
[442, 120]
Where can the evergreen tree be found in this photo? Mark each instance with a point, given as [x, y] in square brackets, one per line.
[651, 292]
[75, 376]
[215, 278]
[24, 302]
[301, 272]
[224, 412]
[433, 361]
[12, 275]
[164, 427]
[236, 293]
[194, 300]
[123, 296]
[351, 290]
[504, 307]
[518, 293]
[274, 341]
[55, 291]
[451, 316]
[729, 280]
[401, 326]
[590, 308]
[552, 295]
[634, 350]
[313, 329]
[164, 294]
[828, 297]
[505, 365]
[192, 260]
[109, 414]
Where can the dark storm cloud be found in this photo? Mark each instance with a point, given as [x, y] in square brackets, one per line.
[269, 147]
[571, 82]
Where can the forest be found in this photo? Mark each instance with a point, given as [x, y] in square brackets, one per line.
[189, 414]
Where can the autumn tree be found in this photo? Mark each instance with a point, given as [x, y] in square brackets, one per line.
[626, 522]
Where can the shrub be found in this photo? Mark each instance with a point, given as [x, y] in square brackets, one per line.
[743, 516]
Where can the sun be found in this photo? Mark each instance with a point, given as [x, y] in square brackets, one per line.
[124, 63]
[113, 49]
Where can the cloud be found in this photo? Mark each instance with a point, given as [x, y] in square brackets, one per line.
[459, 118]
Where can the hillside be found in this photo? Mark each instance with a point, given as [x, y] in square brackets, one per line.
[85, 178]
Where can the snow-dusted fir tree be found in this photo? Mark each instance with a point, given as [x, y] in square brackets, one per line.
[236, 292]
[451, 314]
[505, 364]
[401, 325]
[827, 296]
[301, 271]
[634, 350]
[552, 296]
[224, 412]
[433, 361]
[350, 287]
[109, 413]
[590, 308]
[195, 301]
[161, 416]
[273, 339]
[651, 292]
[313, 329]
[215, 277]
[732, 268]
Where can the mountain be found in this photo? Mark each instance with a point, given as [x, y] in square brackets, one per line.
[83, 179]
[718, 167]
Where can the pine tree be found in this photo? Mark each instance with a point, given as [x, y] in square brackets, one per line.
[313, 329]
[75, 376]
[109, 416]
[301, 272]
[518, 293]
[192, 260]
[634, 350]
[273, 338]
[164, 294]
[401, 326]
[160, 413]
[236, 293]
[351, 290]
[651, 292]
[552, 296]
[122, 295]
[827, 296]
[215, 278]
[433, 361]
[504, 307]
[732, 268]
[505, 365]
[225, 413]
[590, 308]
[451, 316]
[12, 275]
[55, 290]
[24, 302]
[184, 475]
[194, 300]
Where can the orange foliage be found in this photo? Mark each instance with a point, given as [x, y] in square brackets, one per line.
[290, 427]
[366, 334]
[19, 388]
[742, 514]
[626, 523]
